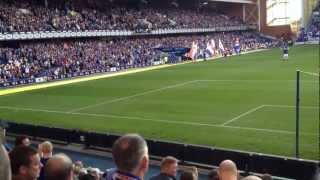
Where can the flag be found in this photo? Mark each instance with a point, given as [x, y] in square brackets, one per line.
[193, 50]
[210, 49]
[221, 45]
[213, 44]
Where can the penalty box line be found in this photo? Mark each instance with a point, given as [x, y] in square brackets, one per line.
[157, 120]
[262, 106]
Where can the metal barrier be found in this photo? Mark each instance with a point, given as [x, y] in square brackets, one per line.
[248, 162]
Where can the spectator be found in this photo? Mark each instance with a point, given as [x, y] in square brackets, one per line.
[58, 167]
[188, 175]
[45, 150]
[87, 177]
[213, 175]
[252, 178]
[5, 171]
[168, 171]
[228, 170]
[22, 140]
[25, 163]
[130, 154]
[266, 177]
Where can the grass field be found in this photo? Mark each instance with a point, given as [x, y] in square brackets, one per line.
[245, 102]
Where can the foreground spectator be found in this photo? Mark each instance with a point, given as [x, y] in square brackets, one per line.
[22, 140]
[45, 151]
[266, 177]
[58, 167]
[5, 171]
[25, 163]
[188, 175]
[228, 170]
[213, 175]
[169, 166]
[251, 178]
[130, 154]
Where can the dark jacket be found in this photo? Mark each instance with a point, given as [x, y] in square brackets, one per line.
[163, 176]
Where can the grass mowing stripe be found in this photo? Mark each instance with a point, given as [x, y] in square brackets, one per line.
[132, 96]
[169, 87]
[155, 120]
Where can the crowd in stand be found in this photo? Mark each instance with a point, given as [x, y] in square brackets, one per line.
[314, 29]
[25, 16]
[129, 153]
[55, 58]
[312, 32]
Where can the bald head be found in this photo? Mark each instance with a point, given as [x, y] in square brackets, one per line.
[251, 178]
[228, 170]
[58, 167]
[130, 154]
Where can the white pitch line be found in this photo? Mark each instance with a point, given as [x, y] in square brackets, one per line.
[169, 87]
[241, 115]
[156, 120]
[131, 96]
[289, 106]
[253, 80]
[310, 73]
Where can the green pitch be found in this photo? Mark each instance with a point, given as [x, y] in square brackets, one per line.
[245, 102]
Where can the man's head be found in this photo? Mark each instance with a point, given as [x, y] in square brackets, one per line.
[169, 166]
[130, 154]
[58, 167]
[188, 175]
[227, 170]
[251, 178]
[46, 149]
[22, 140]
[25, 161]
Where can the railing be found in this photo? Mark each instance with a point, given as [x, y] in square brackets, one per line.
[246, 161]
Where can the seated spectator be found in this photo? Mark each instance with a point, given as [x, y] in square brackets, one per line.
[22, 140]
[213, 175]
[130, 154]
[168, 169]
[58, 167]
[5, 170]
[45, 150]
[228, 170]
[25, 163]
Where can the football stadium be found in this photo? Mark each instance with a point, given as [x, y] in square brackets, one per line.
[192, 89]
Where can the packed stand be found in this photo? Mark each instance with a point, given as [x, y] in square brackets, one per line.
[56, 58]
[28, 17]
[312, 32]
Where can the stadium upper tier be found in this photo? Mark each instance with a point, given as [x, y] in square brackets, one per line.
[56, 59]
[29, 17]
